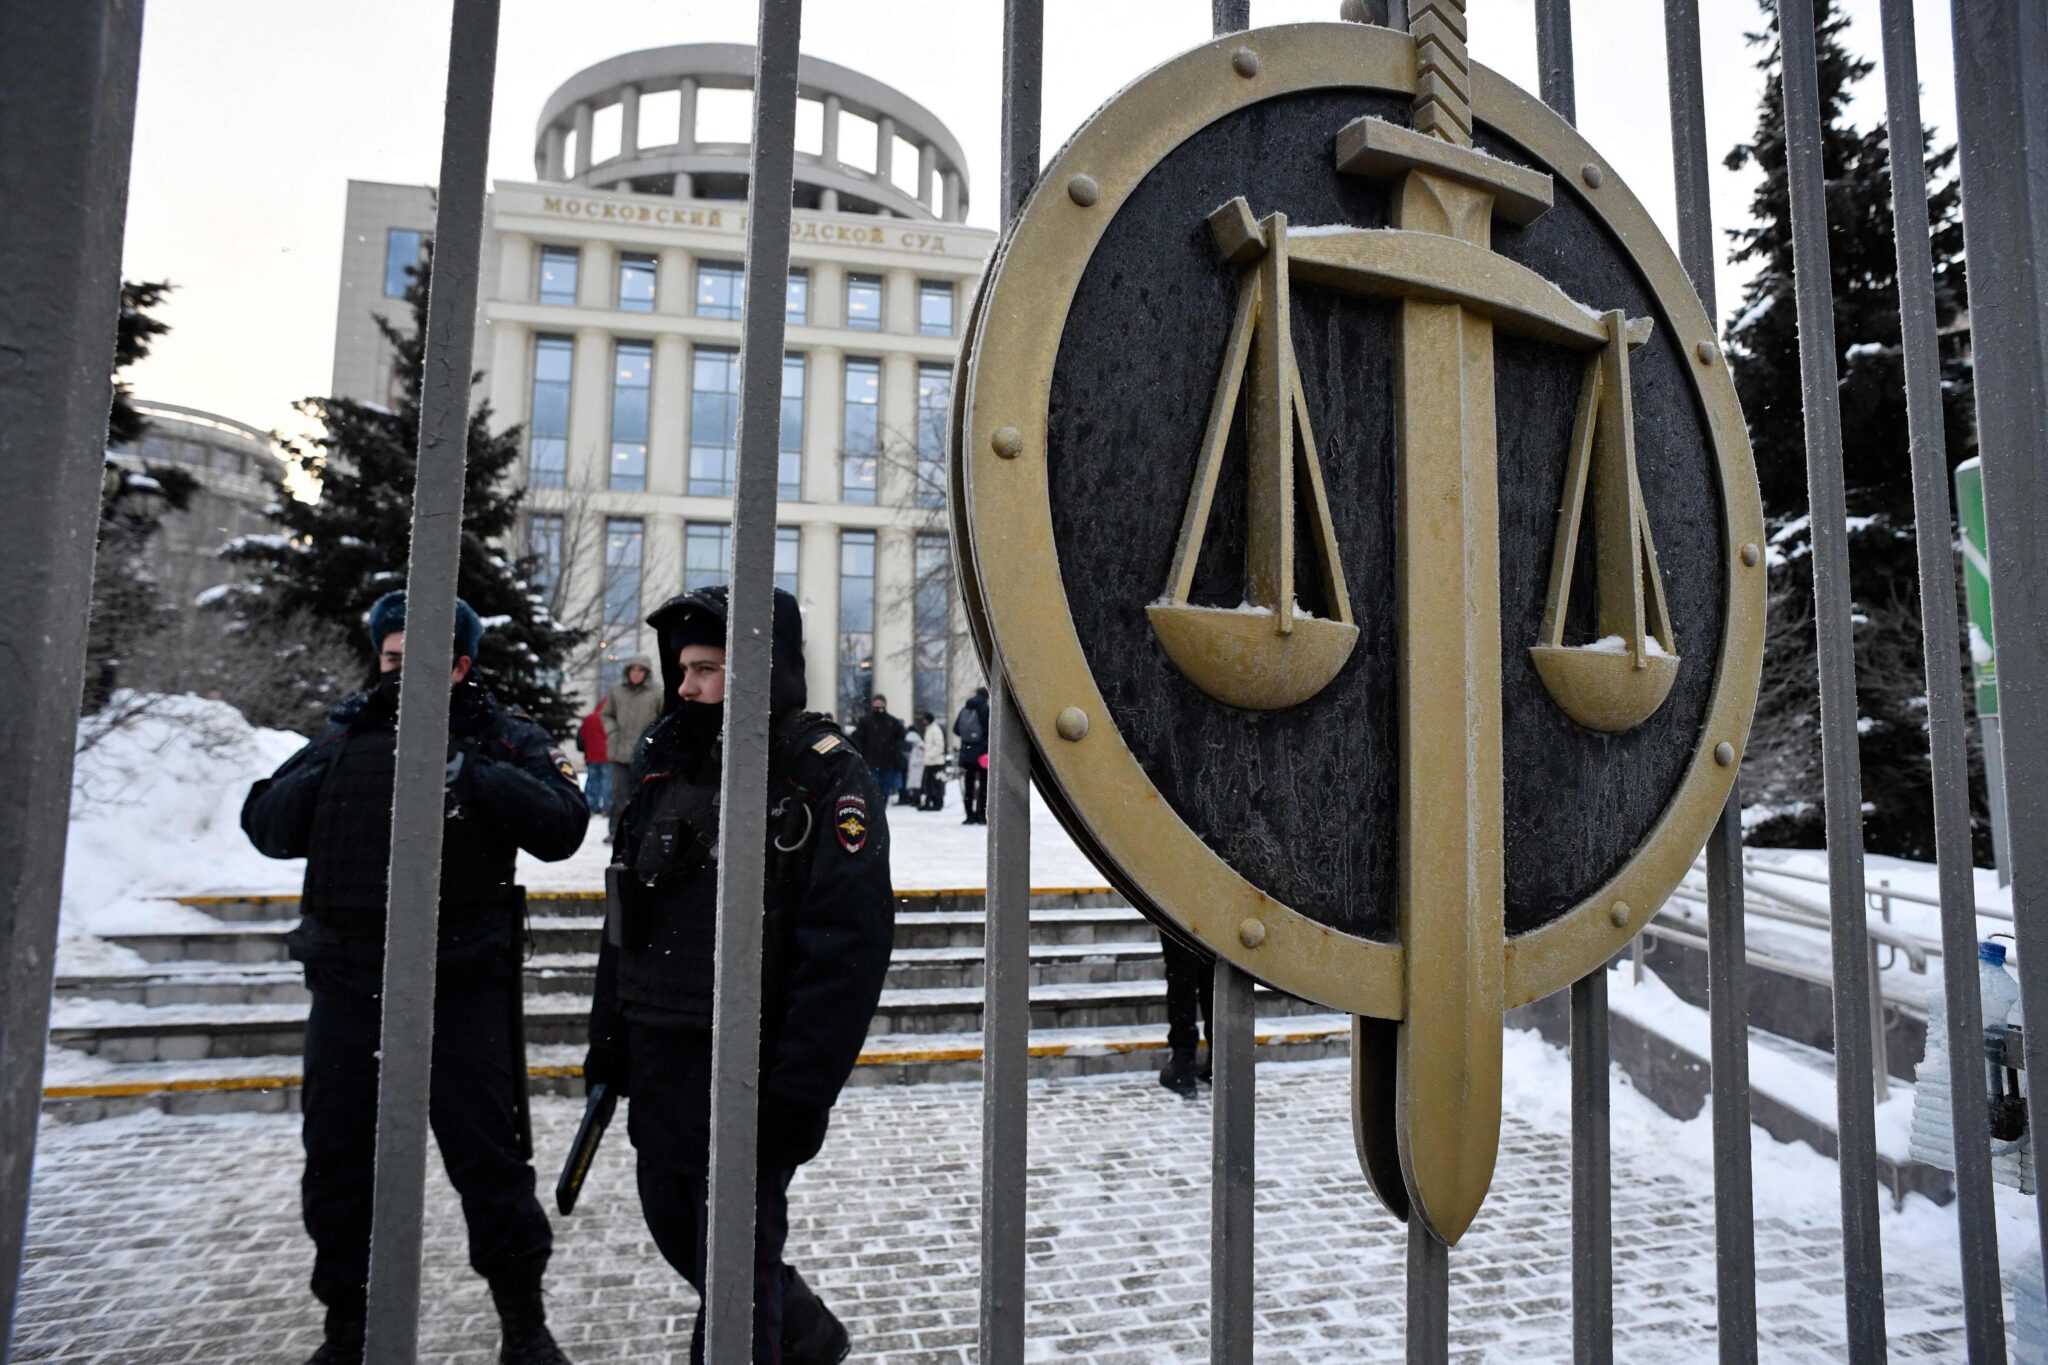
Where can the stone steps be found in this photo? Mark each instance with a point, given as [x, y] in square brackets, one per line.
[216, 1019]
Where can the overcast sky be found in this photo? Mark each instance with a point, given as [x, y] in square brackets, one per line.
[253, 115]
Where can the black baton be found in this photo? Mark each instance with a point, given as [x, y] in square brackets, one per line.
[597, 1116]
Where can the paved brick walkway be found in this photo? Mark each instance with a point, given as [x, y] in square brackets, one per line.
[159, 1239]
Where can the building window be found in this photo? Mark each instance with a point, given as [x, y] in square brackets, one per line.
[798, 310]
[548, 432]
[622, 559]
[789, 464]
[932, 624]
[788, 545]
[544, 544]
[721, 289]
[631, 361]
[636, 284]
[707, 554]
[934, 400]
[856, 621]
[863, 430]
[864, 303]
[714, 420]
[404, 250]
[935, 308]
[558, 275]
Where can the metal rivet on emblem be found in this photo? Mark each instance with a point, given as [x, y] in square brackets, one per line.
[1708, 352]
[1593, 176]
[1251, 933]
[1073, 723]
[1083, 190]
[1750, 554]
[1008, 442]
[1245, 62]
[1619, 914]
[1724, 753]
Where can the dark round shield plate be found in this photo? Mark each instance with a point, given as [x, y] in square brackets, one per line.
[1271, 836]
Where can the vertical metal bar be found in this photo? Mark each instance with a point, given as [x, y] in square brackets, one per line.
[743, 784]
[1727, 960]
[1856, 1127]
[2001, 51]
[1880, 1052]
[66, 124]
[405, 1070]
[1233, 1054]
[1592, 1170]
[1429, 1296]
[1554, 57]
[1006, 1009]
[1592, 1191]
[1230, 16]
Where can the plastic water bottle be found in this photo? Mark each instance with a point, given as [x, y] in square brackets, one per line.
[1995, 986]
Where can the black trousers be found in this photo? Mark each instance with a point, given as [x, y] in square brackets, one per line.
[1190, 986]
[473, 1112]
[668, 1117]
[974, 789]
[934, 788]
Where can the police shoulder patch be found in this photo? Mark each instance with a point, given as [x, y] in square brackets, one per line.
[562, 764]
[830, 744]
[850, 822]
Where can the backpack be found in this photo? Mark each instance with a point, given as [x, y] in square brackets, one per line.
[968, 726]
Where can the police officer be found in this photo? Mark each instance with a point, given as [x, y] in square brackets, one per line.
[507, 788]
[829, 923]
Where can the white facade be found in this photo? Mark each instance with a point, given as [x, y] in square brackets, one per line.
[597, 468]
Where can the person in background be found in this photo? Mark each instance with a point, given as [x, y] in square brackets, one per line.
[913, 766]
[934, 764]
[879, 737]
[1190, 992]
[972, 727]
[628, 710]
[507, 788]
[597, 769]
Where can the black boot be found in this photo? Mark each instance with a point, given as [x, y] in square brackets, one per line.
[1205, 1070]
[1178, 1075]
[344, 1343]
[523, 1321]
[811, 1335]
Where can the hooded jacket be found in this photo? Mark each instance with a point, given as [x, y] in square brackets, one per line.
[628, 710]
[830, 906]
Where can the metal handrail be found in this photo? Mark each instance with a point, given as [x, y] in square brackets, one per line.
[1884, 891]
[1795, 910]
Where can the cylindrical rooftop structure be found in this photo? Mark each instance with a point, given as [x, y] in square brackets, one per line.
[672, 160]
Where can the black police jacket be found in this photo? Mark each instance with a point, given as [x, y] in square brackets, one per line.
[330, 803]
[830, 913]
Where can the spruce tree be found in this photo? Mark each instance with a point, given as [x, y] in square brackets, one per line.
[331, 558]
[1783, 769]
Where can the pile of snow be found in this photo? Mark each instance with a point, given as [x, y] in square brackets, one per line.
[156, 802]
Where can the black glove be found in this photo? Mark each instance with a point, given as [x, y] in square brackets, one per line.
[791, 1133]
[606, 1064]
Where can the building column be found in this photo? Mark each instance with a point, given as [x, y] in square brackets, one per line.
[667, 404]
[828, 294]
[590, 417]
[824, 385]
[597, 275]
[552, 152]
[949, 208]
[629, 121]
[817, 582]
[899, 301]
[515, 267]
[583, 120]
[507, 384]
[661, 571]
[686, 135]
[927, 166]
[828, 151]
[896, 478]
[895, 634]
[885, 150]
[672, 281]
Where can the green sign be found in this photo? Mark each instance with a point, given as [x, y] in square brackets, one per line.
[1977, 583]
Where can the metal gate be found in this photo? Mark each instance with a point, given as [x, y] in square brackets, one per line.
[67, 82]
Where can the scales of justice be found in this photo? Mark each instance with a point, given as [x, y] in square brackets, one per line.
[1427, 1086]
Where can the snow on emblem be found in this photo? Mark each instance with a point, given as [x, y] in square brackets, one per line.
[850, 822]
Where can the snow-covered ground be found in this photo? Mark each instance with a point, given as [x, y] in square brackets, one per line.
[156, 812]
